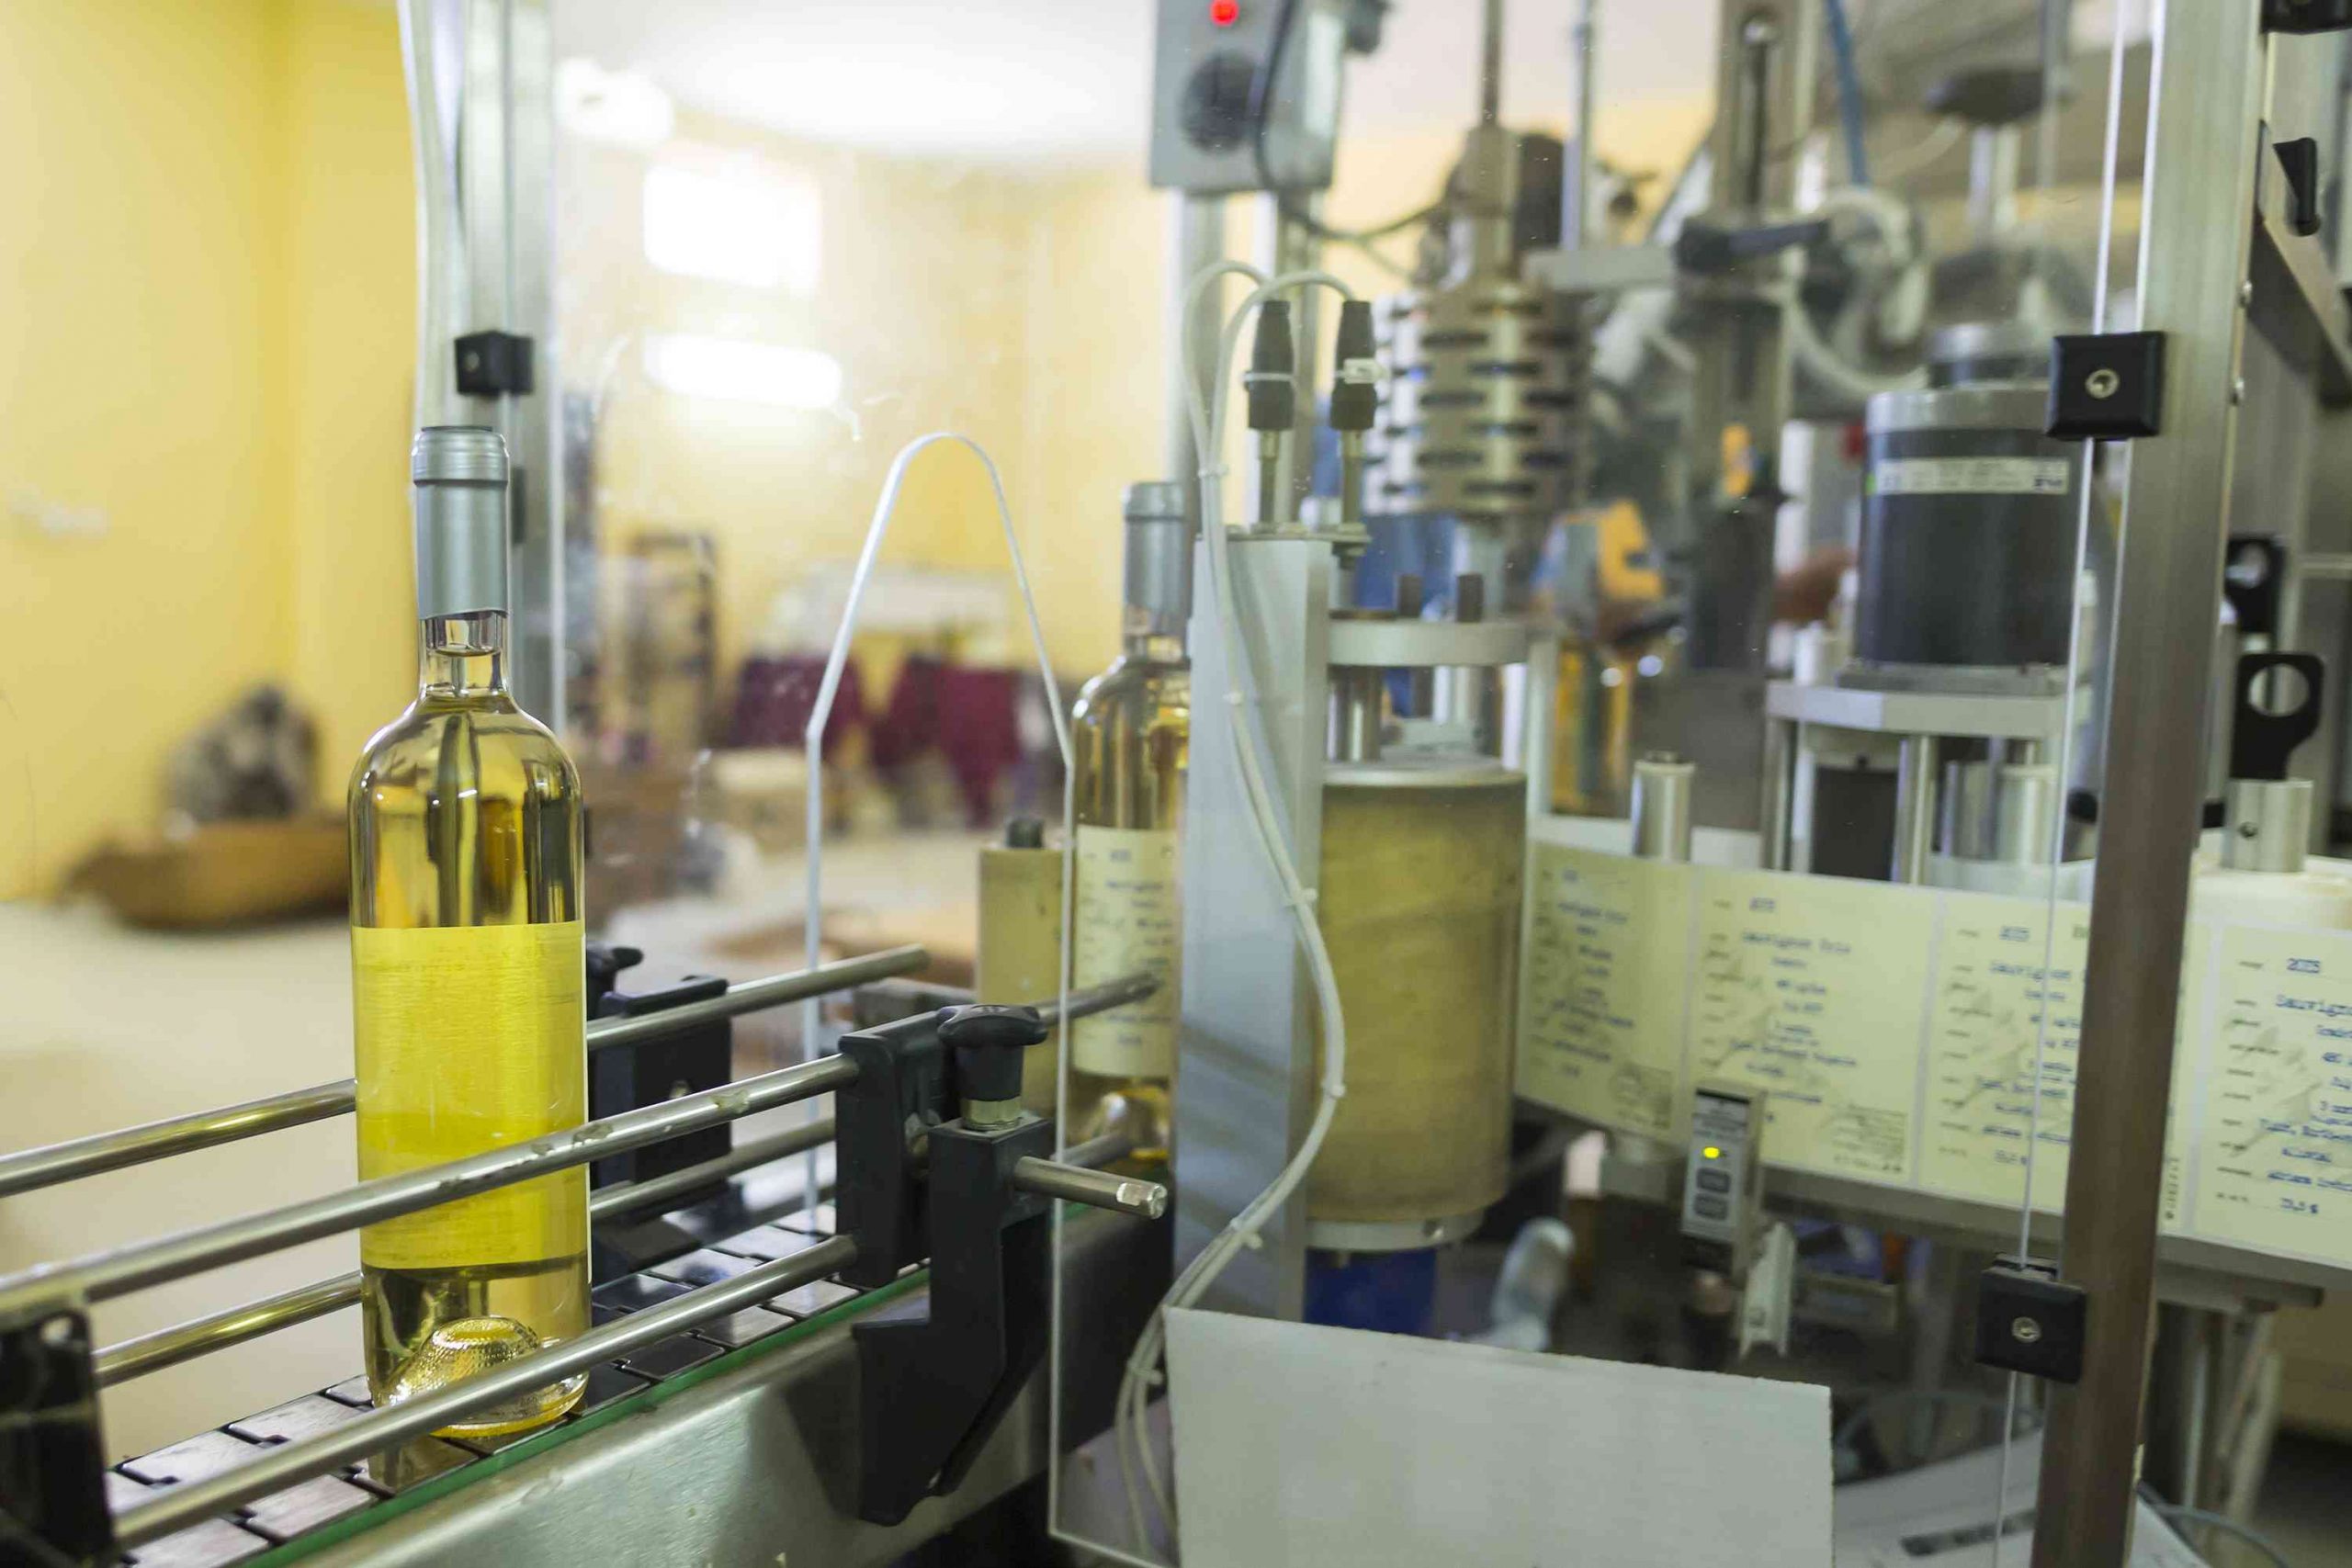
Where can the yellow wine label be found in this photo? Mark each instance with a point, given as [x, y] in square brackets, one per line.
[1127, 920]
[471, 1038]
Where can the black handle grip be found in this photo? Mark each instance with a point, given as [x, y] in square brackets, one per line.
[987, 1039]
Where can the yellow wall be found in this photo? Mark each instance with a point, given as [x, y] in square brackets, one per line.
[138, 331]
[350, 308]
[210, 204]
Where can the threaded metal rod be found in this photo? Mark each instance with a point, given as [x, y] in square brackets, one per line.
[30, 1169]
[393, 1424]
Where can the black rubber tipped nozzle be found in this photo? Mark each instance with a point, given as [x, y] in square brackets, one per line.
[1273, 364]
[1355, 387]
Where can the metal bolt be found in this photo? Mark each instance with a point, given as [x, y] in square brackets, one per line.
[2246, 294]
[2249, 830]
[2237, 389]
[2025, 1330]
[2102, 383]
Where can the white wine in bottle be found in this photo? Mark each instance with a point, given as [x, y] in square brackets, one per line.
[1131, 730]
[466, 974]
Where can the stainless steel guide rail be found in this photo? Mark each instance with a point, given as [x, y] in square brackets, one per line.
[121, 1270]
[396, 1423]
[31, 1169]
[184, 1341]
[36, 1299]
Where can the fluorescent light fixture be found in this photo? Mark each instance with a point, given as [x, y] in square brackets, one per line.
[617, 109]
[733, 218]
[734, 371]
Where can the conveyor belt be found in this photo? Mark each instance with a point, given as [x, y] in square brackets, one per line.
[293, 1525]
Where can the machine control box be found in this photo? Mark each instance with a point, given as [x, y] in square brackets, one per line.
[1207, 59]
[1722, 1184]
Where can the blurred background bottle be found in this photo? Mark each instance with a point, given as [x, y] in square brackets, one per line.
[1132, 728]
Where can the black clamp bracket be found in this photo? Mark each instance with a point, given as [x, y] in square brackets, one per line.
[495, 365]
[2264, 734]
[1711, 248]
[936, 1159]
[2031, 1321]
[53, 1461]
[2106, 386]
[2306, 15]
[2253, 579]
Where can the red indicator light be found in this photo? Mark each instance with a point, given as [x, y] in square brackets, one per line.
[1224, 13]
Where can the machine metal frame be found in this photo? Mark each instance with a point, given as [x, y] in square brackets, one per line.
[2204, 135]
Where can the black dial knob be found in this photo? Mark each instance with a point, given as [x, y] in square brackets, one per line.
[988, 1040]
[1215, 113]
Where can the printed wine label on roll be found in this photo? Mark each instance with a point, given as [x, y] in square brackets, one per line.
[470, 1038]
[1127, 921]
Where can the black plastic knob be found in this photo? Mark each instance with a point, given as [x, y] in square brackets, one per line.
[1354, 402]
[1274, 360]
[988, 1040]
[1218, 97]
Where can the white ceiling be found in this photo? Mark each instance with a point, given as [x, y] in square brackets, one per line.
[1070, 79]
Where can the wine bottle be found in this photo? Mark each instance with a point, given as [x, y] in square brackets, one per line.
[468, 974]
[1131, 729]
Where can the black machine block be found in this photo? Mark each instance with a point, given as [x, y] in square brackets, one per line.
[2107, 385]
[2263, 738]
[495, 365]
[2299, 159]
[936, 1375]
[625, 1077]
[2306, 15]
[2030, 1321]
[934, 1383]
[52, 1463]
[2254, 578]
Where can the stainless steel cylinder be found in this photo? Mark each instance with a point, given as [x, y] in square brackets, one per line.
[2268, 826]
[1915, 808]
[1097, 1188]
[2026, 801]
[1662, 789]
[1968, 809]
[1356, 713]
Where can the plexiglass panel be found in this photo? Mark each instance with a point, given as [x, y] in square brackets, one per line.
[1640, 720]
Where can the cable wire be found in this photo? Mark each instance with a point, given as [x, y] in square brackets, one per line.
[1262, 111]
[1850, 90]
[1131, 1408]
[2176, 1513]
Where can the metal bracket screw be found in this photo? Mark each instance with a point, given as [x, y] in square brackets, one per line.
[2102, 383]
[2025, 1330]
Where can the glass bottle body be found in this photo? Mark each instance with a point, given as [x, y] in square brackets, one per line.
[1131, 730]
[467, 991]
